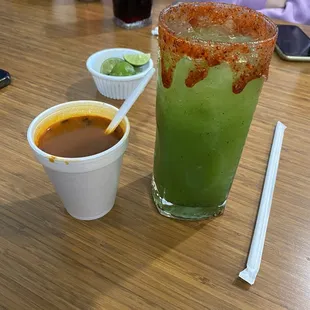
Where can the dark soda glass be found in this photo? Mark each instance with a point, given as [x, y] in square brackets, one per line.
[132, 13]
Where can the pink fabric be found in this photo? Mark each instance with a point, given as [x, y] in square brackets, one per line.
[256, 4]
[295, 11]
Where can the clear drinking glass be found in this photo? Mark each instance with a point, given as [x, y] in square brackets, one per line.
[132, 13]
[214, 58]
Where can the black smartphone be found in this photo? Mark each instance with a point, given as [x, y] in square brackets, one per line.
[293, 44]
[5, 78]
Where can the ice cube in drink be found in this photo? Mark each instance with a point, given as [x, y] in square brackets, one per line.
[216, 33]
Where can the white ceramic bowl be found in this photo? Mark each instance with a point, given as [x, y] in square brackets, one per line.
[115, 87]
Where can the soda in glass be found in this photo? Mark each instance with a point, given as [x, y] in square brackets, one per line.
[132, 13]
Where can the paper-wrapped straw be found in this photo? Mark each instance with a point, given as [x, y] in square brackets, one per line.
[255, 256]
[155, 31]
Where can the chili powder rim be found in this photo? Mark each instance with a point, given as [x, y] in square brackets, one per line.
[162, 24]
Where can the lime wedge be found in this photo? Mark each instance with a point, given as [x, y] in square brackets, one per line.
[109, 64]
[123, 68]
[137, 59]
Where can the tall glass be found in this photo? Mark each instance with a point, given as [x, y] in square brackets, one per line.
[214, 58]
[132, 13]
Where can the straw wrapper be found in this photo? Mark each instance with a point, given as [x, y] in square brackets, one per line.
[255, 256]
[155, 31]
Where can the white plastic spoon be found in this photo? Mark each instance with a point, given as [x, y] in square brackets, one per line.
[128, 103]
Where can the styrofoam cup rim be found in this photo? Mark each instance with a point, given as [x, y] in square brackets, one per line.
[33, 125]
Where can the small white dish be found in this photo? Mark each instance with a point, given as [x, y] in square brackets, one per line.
[115, 87]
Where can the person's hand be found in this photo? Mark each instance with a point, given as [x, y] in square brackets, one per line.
[275, 3]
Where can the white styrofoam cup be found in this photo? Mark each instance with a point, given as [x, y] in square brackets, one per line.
[87, 185]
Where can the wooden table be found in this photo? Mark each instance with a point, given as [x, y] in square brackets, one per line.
[133, 258]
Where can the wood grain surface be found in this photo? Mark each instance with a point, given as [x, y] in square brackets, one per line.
[133, 258]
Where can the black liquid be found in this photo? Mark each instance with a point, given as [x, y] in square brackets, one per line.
[131, 11]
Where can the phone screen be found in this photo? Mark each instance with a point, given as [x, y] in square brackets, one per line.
[293, 41]
[5, 78]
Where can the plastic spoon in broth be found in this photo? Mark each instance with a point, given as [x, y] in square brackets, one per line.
[128, 103]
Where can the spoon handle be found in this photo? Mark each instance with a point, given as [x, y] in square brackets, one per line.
[128, 103]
